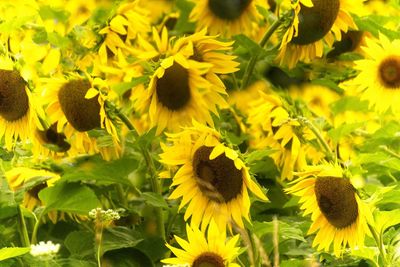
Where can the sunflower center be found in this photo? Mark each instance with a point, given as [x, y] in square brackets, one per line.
[83, 114]
[336, 200]
[173, 89]
[389, 72]
[228, 9]
[34, 191]
[315, 22]
[208, 259]
[218, 179]
[14, 102]
[52, 137]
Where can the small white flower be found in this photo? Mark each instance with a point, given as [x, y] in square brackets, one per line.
[44, 249]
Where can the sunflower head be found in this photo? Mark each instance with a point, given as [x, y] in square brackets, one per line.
[50, 137]
[339, 211]
[316, 21]
[389, 72]
[217, 178]
[228, 9]
[14, 102]
[82, 113]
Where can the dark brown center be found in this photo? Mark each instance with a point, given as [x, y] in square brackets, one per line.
[315, 22]
[14, 102]
[336, 200]
[34, 191]
[218, 179]
[389, 72]
[228, 9]
[54, 140]
[173, 89]
[83, 114]
[208, 259]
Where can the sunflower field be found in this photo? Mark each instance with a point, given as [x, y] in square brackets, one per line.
[203, 133]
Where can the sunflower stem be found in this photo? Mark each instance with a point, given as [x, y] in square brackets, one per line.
[99, 240]
[22, 228]
[121, 195]
[156, 188]
[36, 228]
[389, 151]
[253, 60]
[379, 242]
[324, 145]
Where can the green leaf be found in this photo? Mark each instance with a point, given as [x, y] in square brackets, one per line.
[8, 253]
[101, 171]
[296, 263]
[121, 88]
[154, 247]
[375, 24]
[379, 158]
[259, 155]
[119, 237]
[154, 200]
[69, 197]
[80, 243]
[57, 40]
[343, 130]
[328, 83]
[47, 12]
[349, 103]
[252, 47]
[184, 25]
[286, 231]
[386, 219]
[127, 257]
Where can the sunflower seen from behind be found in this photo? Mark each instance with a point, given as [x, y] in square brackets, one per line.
[212, 179]
[227, 17]
[314, 22]
[339, 217]
[201, 250]
[378, 80]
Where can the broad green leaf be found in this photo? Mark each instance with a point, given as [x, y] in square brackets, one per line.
[119, 237]
[328, 83]
[295, 263]
[8, 253]
[343, 130]
[252, 47]
[127, 257]
[184, 25]
[154, 199]
[379, 158]
[375, 24]
[47, 12]
[80, 243]
[257, 155]
[285, 230]
[101, 171]
[349, 103]
[154, 247]
[69, 197]
[386, 219]
[121, 88]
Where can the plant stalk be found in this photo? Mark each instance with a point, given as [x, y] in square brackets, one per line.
[22, 228]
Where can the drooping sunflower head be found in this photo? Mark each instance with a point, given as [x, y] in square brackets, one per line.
[379, 77]
[82, 113]
[314, 22]
[211, 177]
[17, 109]
[339, 216]
[213, 250]
[227, 17]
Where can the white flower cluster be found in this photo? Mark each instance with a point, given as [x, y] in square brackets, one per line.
[105, 215]
[44, 249]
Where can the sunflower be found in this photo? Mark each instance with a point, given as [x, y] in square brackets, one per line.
[314, 22]
[17, 107]
[34, 180]
[379, 77]
[180, 88]
[227, 17]
[77, 106]
[214, 250]
[338, 215]
[211, 177]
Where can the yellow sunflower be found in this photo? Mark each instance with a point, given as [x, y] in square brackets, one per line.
[211, 179]
[338, 215]
[180, 88]
[18, 178]
[76, 106]
[314, 22]
[379, 77]
[212, 250]
[227, 17]
[18, 109]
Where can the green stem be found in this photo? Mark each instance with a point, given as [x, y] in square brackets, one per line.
[253, 60]
[99, 241]
[121, 195]
[328, 152]
[379, 243]
[22, 228]
[36, 228]
[156, 188]
[389, 151]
